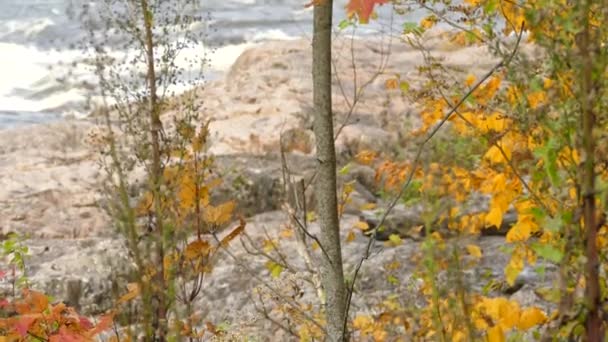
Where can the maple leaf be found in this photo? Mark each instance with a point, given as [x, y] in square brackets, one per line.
[24, 323]
[104, 324]
[362, 8]
[65, 335]
[85, 323]
[531, 317]
[196, 249]
[220, 214]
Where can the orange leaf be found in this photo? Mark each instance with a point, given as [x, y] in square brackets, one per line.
[220, 214]
[196, 249]
[133, 293]
[362, 8]
[365, 157]
[233, 234]
[33, 302]
[361, 225]
[391, 83]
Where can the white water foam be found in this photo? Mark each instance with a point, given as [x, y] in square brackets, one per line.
[30, 76]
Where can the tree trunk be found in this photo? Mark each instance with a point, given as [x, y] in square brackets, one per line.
[332, 276]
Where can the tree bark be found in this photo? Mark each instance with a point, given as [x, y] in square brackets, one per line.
[332, 276]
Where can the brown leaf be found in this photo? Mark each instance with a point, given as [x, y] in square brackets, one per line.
[233, 234]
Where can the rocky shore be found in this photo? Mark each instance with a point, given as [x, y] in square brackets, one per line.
[50, 177]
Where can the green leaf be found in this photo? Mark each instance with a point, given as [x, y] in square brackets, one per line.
[392, 280]
[410, 27]
[344, 24]
[536, 84]
[274, 268]
[554, 224]
[395, 239]
[538, 213]
[345, 170]
[490, 6]
[404, 86]
[311, 216]
[548, 252]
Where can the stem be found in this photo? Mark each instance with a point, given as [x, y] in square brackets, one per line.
[160, 320]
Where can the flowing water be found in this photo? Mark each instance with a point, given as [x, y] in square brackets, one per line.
[39, 42]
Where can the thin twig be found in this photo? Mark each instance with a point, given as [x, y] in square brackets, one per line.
[255, 276]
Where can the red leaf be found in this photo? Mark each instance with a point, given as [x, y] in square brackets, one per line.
[24, 324]
[362, 8]
[4, 303]
[65, 335]
[85, 323]
[104, 324]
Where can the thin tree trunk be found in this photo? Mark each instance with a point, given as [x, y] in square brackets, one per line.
[593, 323]
[332, 276]
[159, 321]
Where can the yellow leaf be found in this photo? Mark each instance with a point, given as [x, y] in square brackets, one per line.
[133, 292]
[350, 237]
[470, 80]
[214, 182]
[286, 233]
[522, 230]
[459, 336]
[145, 204]
[380, 334]
[395, 239]
[274, 268]
[495, 334]
[269, 245]
[429, 21]
[220, 214]
[368, 206]
[365, 157]
[362, 322]
[495, 156]
[361, 225]
[197, 249]
[514, 268]
[474, 250]
[494, 217]
[168, 260]
[348, 188]
[537, 99]
[530, 317]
